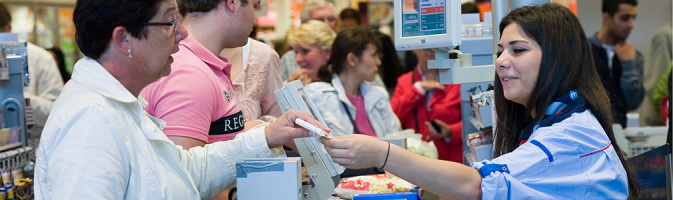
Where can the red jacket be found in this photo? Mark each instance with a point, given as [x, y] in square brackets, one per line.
[444, 105]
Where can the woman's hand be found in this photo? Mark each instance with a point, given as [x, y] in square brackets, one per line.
[300, 74]
[284, 130]
[356, 151]
[444, 129]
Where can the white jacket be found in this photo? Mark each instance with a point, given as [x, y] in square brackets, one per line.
[327, 100]
[99, 143]
[45, 86]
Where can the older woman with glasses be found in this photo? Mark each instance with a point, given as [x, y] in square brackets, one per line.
[98, 143]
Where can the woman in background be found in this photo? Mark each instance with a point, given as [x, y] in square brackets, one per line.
[255, 72]
[312, 42]
[345, 96]
[421, 101]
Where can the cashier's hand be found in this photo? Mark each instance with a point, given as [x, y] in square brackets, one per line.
[284, 129]
[356, 151]
[300, 74]
[438, 134]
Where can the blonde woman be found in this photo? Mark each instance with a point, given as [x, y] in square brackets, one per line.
[312, 42]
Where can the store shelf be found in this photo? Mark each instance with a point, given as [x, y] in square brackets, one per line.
[9, 146]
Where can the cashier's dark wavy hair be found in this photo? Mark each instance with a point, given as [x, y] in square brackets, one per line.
[350, 40]
[566, 64]
[95, 19]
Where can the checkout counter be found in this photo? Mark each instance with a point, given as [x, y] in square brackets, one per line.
[436, 25]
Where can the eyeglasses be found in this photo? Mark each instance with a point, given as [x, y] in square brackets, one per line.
[174, 24]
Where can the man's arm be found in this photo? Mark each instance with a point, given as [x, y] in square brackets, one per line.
[185, 101]
[631, 80]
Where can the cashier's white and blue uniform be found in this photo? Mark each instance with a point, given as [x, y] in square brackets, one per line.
[567, 156]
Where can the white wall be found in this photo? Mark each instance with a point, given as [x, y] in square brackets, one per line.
[652, 14]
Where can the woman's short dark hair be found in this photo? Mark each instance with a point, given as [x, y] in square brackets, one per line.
[189, 6]
[95, 19]
[566, 64]
[350, 40]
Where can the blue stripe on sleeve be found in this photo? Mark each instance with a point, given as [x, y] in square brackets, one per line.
[488, 168]
[544, 149]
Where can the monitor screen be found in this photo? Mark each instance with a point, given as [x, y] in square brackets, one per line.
[424, 17]
[425, 24]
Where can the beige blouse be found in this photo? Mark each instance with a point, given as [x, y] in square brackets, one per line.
[257, 80]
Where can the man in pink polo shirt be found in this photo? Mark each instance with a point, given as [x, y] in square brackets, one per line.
[197, 100]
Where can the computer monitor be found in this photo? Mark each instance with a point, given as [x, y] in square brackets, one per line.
[324, 173]
[424, 24]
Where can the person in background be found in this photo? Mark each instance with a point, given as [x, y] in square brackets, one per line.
[198, 100]
[45, 82]
[60, 61]
[349, 17]
[553, 138]
[410, 62]
[619, 64]
[660, 95]
[256, 74]
[99, 143]
[345, 95]
[420, 101]
[661, 55]
[281, 46]
[312, 42]
[469, 7]
[320, 10]
[391, 66]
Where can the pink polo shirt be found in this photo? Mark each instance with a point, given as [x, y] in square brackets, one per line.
[197, 100]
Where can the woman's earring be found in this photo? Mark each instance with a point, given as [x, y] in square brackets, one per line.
[130, 56]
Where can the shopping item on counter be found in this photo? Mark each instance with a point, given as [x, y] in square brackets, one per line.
[371, 184]
[415, 144]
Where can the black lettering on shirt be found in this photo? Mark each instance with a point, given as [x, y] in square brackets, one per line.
[227, 124]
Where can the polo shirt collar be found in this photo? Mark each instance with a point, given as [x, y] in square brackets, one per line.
[206, 56]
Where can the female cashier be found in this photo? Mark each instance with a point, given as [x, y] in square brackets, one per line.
[553, 138]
